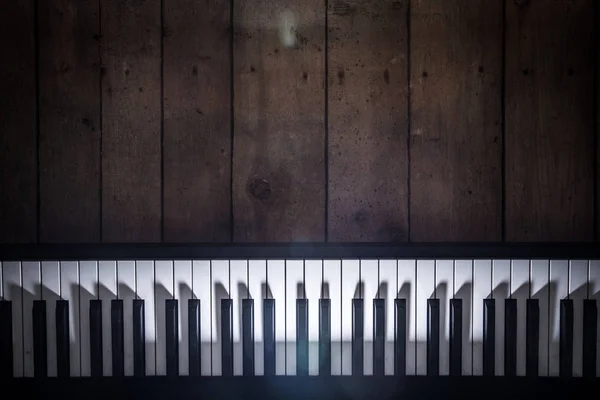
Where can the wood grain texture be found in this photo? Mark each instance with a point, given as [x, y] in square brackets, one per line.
[279, 171]
[131, 121]
[197, 124]
[456, 114]
[549, 121]
[368, 121]
[18, 137]
[69, 121]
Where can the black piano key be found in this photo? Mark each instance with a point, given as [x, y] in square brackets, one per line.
[63, 341]
[96, 338]
[172, 336]
[357, 336]
[532, 337]
[139, 338]
[40, 344]
[301, 337]
[325, 337]
[433, 337]
[566, 339]
[227, 337]
[248, 336]
[269, 336]
[400, 337]
[117, 337]
[489, 337]
[378, 337]
[6, 340]
[456, 316]
[510, 337]
[590, 332]
[194, 347]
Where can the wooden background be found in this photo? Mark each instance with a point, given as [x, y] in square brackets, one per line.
[390, 121]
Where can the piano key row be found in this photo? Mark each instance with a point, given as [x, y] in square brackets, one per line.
[285, 281]
[171, 352]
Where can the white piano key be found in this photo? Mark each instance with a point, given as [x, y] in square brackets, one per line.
[88, 290]
[578, 281]
[444, 290]
[220, 287]
[31, 291]
[107, 276]
[144, 285]
[276, 290]
[559, 289]
[369, 277]
[239, 291]
[126, 292]
[332, 281]
[425, 291]
[540, 274]
[482, 289]
[594, 293]
[350, 282]
[163, 290]
[69, 290]
[501, 291]
[51, 292]
[12, 279]
[257, 287]
[313, 273]
[463, 289]
[407, 289]
[388, 289]
[294, 289]
[201, 287]
[520, 290]
[183, 293]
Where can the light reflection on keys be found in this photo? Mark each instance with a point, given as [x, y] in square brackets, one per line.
[482, 289]
[313, 272]
[540, 275]
[350, 283]
[182, 282]
[388, 290]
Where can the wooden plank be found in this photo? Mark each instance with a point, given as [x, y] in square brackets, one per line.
[197, 121]
[549, 121]
[279, 171]
[18, 137]
[131, 121]
[69, 121]
[456, 137]
[368, 120]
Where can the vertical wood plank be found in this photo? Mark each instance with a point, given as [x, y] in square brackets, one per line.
[549, 120]
[597, 99]
[456, 139]
[69, 121]
[197, 124]
[279, 171]
[18, 137]
[131, 120]
[368, 121]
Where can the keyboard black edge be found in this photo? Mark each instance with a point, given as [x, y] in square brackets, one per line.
[310, 387]
[170, 251]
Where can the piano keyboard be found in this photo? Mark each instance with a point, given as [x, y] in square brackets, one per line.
[300, 317]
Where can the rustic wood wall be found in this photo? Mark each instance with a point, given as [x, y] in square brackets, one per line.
[389, 121]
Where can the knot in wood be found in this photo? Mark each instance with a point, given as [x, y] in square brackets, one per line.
[261, 189]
